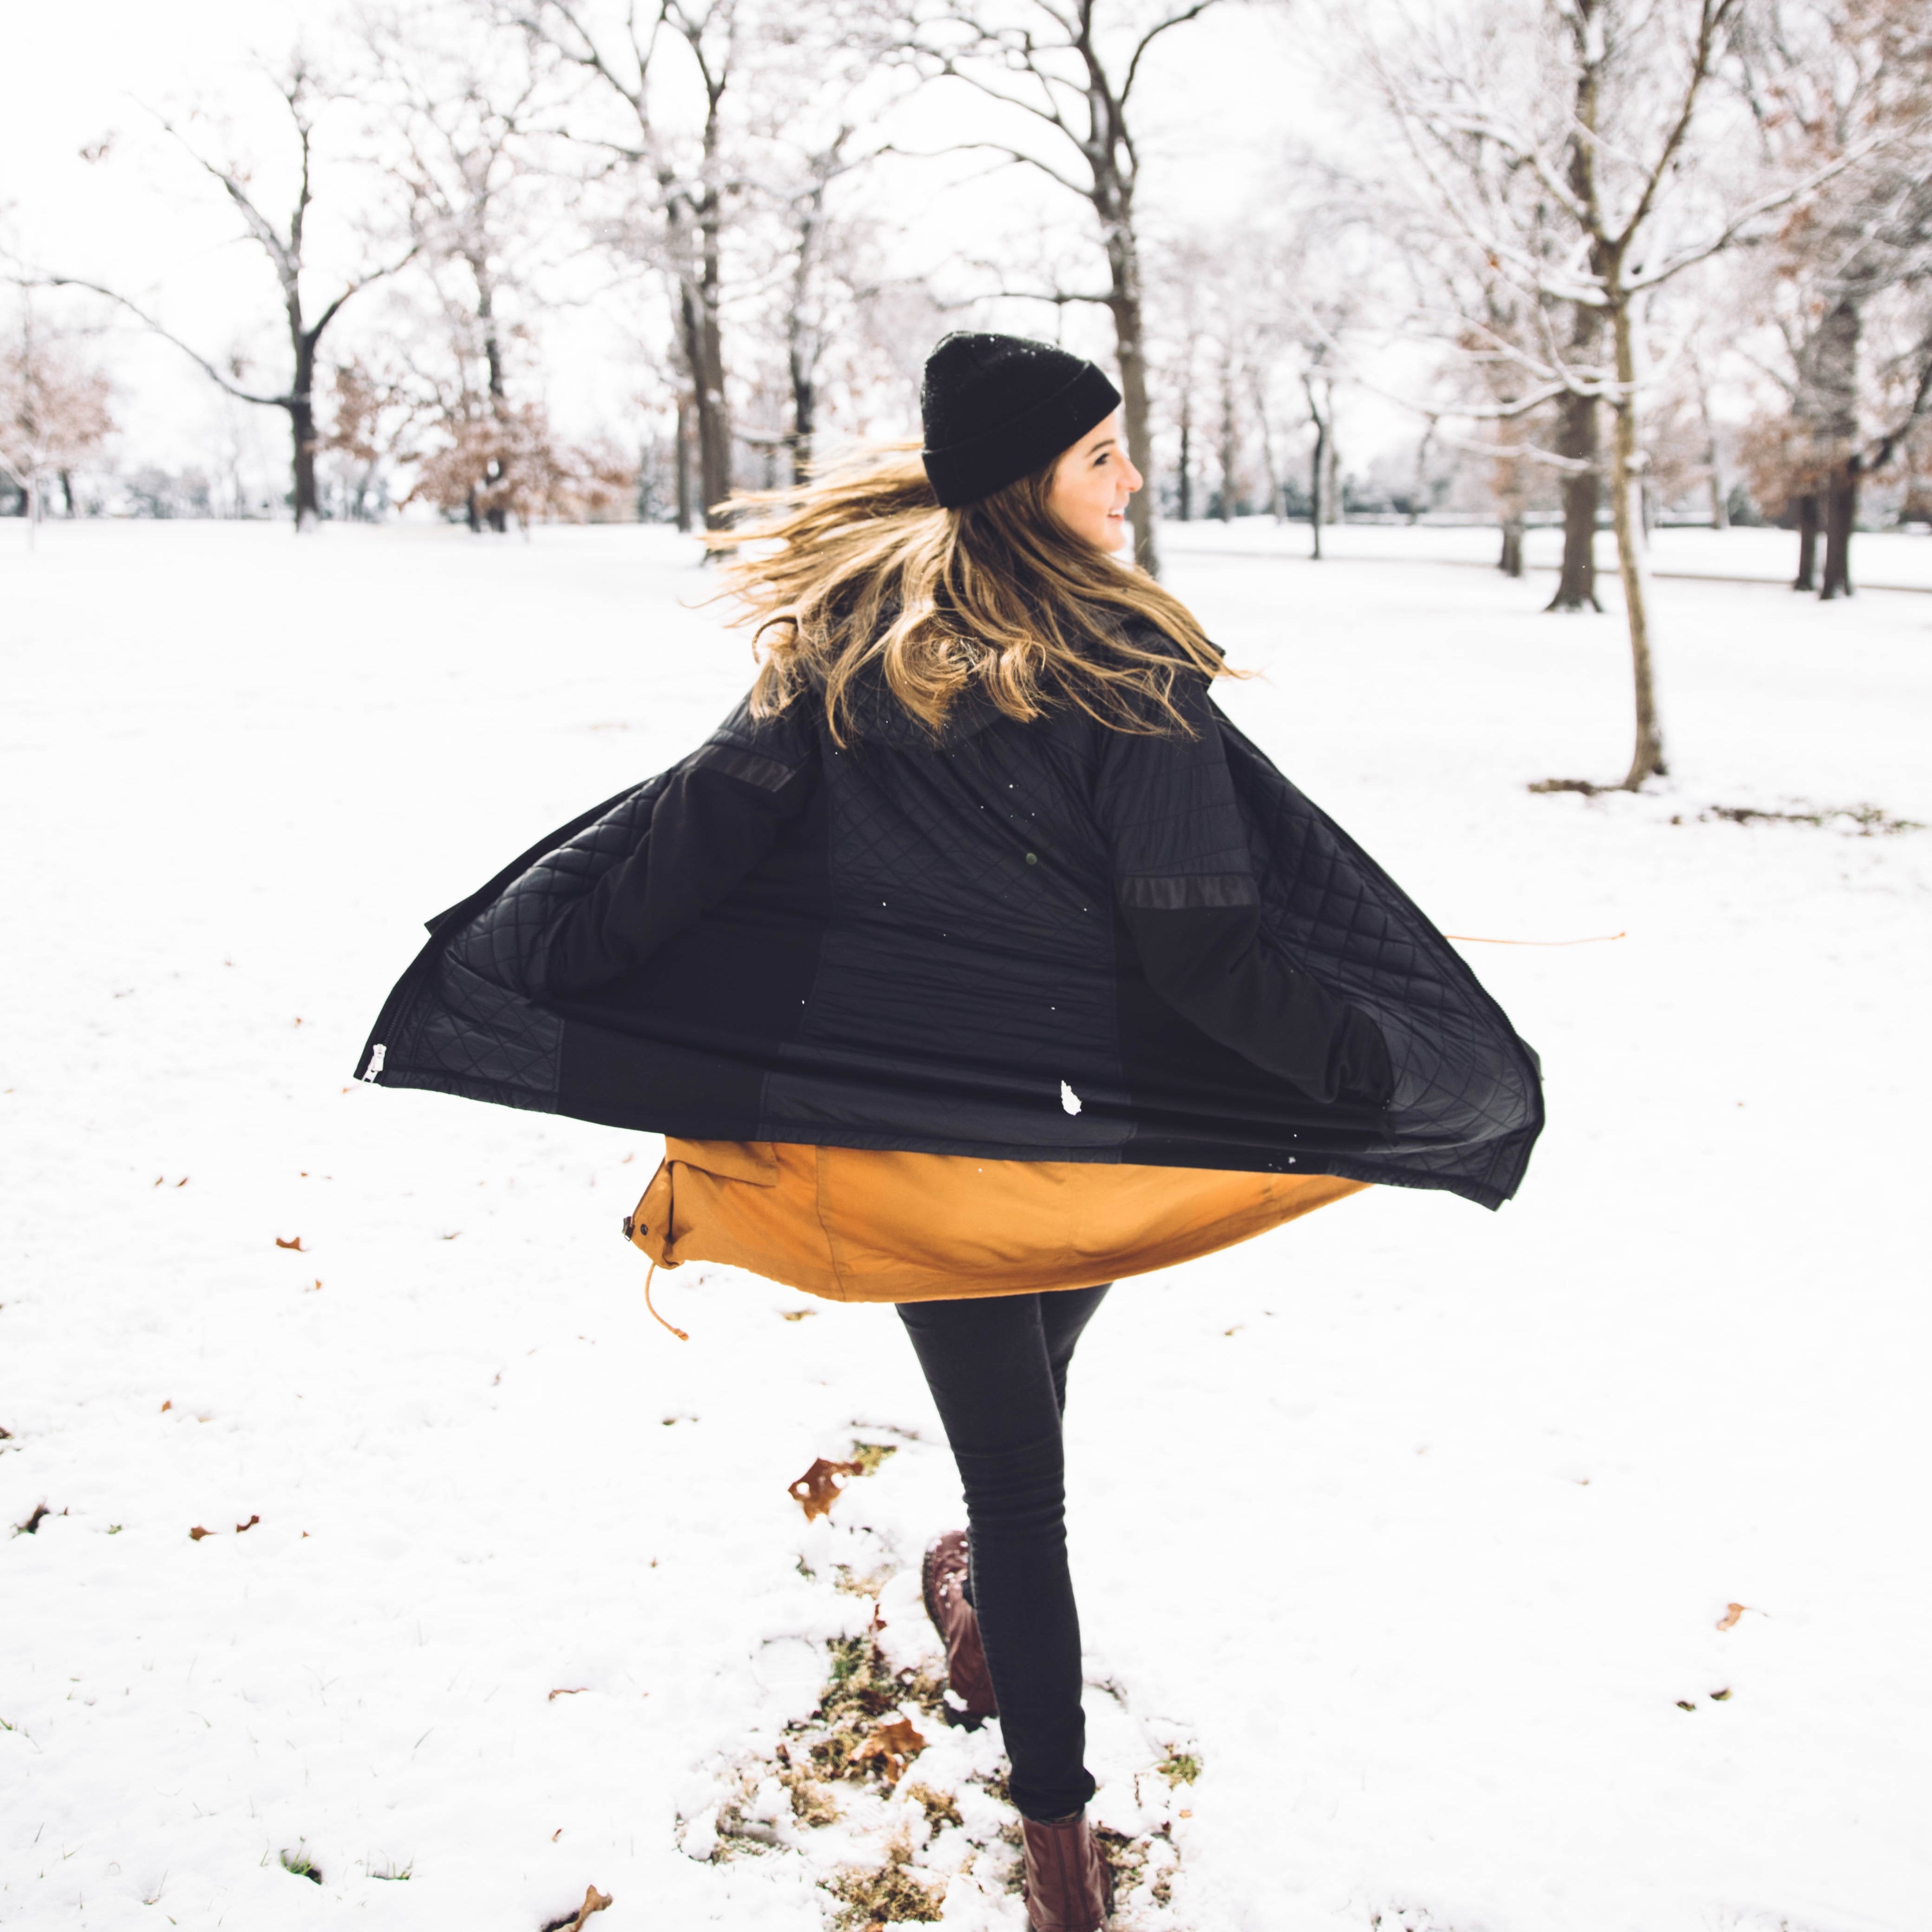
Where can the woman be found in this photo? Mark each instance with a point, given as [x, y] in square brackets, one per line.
[975, 961]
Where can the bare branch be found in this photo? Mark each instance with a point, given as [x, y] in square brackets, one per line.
[194, 355]
[1148, 38]
[1712, 15]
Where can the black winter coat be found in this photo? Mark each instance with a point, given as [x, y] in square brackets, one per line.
[1052, 941]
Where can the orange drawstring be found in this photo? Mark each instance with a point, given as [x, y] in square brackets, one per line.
[653, 1307]
[1595, 939]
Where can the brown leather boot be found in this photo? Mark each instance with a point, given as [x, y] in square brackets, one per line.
[944, 1574]
[1069, 1886]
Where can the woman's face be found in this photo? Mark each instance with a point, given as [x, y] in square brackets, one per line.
[1091, 483]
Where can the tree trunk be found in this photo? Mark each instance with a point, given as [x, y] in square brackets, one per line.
[1267, 456]
[1841, 510]
[1576, 427]
[804, 409]
[1186, 492]
[803, 343]
[498, 515]
[1422, 493]
[1632, 565]
[66, 491]
[1806, 578]
[683, 466]
[1229, 443]
[704, 357]
[1720, 509]
[1576, 438]
[1510, 562]
[1113, 202]
[1317, 477]
[1130, 352]
[1331, 497]
[1830, 369]
[300, 403]
[301, 428]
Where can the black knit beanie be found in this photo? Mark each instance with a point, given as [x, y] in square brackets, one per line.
[998, 407]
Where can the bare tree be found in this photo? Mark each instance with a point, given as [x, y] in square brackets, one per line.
[1071, 70]
[1601, 113]
[827, 273]
[680, 187]
[1823, 77]
[534, 474]
[466, 110]
[304, 97]
[53, 412]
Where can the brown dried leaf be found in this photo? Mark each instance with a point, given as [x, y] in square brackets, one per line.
[296, 1244]
[819, 1487]
[1731, 1613]
[249, 1525]
[566, 1690]
[197, 1533]
[594, 1900]
[168, 1405]
[895, 1744]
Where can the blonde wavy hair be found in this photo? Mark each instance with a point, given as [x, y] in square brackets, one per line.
[860, 565]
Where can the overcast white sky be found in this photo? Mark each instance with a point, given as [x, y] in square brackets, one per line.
[1227, 95]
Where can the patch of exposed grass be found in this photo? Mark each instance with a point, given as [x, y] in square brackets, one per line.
[391, 1871]
[860, 1694]
[1859, 821]
[1862, 821]
[739, 1834]
[846, 1579]
[870, 1456]
[1179, 1767]
[812, 1803]
[1126, 1859]
[299, 1862]
[939, 1810]
[891, 1895]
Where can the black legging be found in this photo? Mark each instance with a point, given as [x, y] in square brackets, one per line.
[997, 1367]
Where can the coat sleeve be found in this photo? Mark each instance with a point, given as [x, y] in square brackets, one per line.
[721, 812]
[1185, 890]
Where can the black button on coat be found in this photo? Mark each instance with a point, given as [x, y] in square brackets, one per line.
[1052, 941]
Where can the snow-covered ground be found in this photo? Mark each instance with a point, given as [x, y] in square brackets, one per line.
[1415, 1526]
